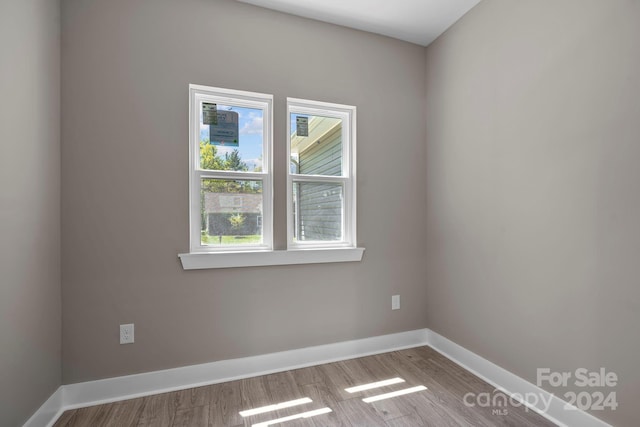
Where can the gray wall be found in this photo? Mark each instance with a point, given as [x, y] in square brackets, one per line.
[532, 176]
[30, 330]
[126, 69]
[530, 165]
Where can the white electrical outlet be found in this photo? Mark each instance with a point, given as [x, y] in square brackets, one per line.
[126, 334]
[395, 302]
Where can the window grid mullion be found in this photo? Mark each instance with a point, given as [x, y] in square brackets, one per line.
[319, 178]
[230, 175]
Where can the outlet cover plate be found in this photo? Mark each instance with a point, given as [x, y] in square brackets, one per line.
[126, 334]
[395, 302]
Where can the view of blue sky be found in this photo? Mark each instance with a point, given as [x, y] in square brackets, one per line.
[250, 124]
[250, 127]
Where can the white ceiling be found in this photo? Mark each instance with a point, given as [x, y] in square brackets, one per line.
[416, 21]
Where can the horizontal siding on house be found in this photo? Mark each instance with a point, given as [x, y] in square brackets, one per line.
[324, 157]
[320, 205]
[320, 211]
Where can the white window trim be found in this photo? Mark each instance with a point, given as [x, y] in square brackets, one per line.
[348, 179]
[253, 256]
[266, 258]
[197, 94]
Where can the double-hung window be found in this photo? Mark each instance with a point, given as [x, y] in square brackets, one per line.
[321, 192]
[231, 181]
[230, 170]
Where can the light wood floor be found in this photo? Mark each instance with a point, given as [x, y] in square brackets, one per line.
[442, 404]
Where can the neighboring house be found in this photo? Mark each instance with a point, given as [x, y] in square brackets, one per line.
[219, 208]
[318, 207]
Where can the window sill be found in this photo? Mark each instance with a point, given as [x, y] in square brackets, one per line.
[197, 261]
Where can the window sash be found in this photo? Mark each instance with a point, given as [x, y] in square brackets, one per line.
[348, 179]
[248, 100]
[348, 127]
[345, 224]
[197, 95]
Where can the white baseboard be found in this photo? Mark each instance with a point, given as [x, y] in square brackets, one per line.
[49, 412]
[512, 385]
[131, 386]
[98, 392]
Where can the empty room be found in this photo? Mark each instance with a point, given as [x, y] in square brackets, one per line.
[319, 213]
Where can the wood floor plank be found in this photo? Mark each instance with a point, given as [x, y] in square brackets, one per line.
[332, 419]
[406, 421]
[335, 377]
[459, 381]
[366, 370]
[156, 410]
[197, 416]
[253, 393]
[410, 372]
[441, 405]
[91, 416]
[225, 404]
[390, 408]
[508, 415]
[310, 375]
[282, 387]
[65, 418]
[190, 398]
[429, 412]
[323, 398]
[415, 420]
[445, 371]
[320, 394]
[282, 413]
[359, 414]
[124, 414]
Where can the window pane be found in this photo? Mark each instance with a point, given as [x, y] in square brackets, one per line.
[231, 138]
[231, 212]
[316, 145]
[317, 211]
